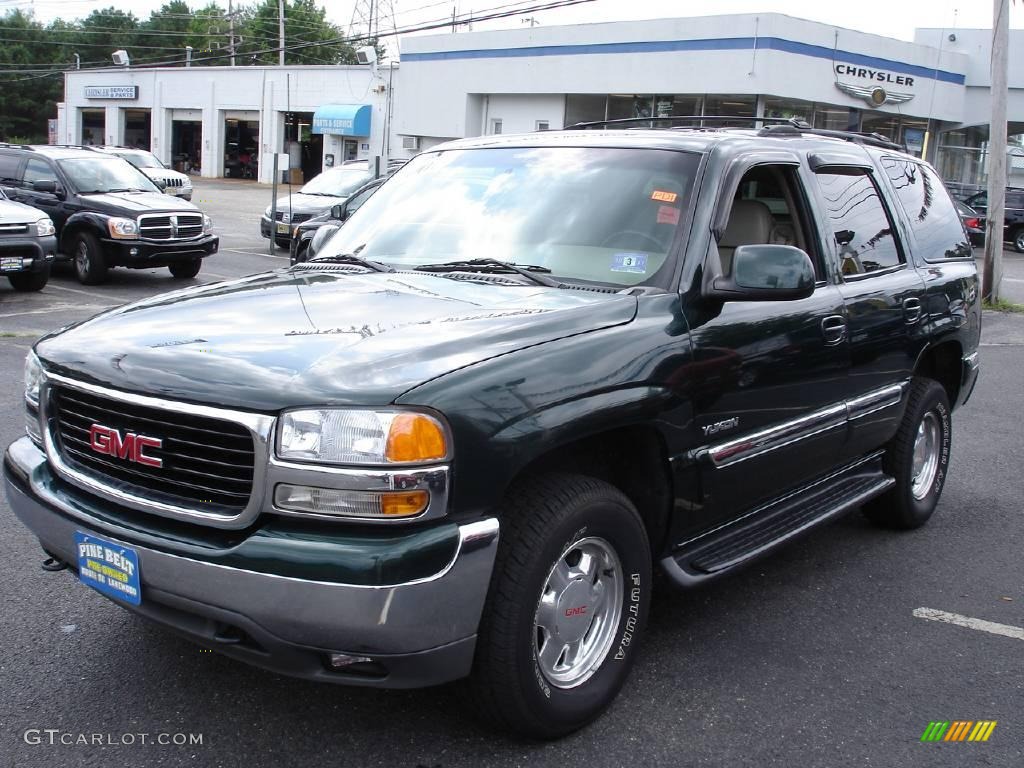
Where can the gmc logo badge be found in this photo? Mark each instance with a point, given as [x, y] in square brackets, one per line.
[110, 442]
[578, 611]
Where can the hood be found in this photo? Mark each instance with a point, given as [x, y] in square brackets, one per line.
[18, 213]
[164, 173]
[137, 202]
[309, 203]
[311, 337]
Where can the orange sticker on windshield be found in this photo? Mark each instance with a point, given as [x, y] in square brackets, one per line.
[664, 197]
[668, 215]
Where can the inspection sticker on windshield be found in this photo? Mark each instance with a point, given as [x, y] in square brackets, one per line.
[668, 215]
[630, 262]
[108, 568]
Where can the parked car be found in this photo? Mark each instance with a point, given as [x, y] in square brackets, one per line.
[303, 234]
[973, 222]
[1014, 215]
[170, 181]
[529, 371]
[317, 196]
[27, 245]
[106, 212]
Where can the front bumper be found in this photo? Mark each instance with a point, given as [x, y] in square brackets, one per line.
[143, 254]
[37, 253]
[417, 632]
[281, 238]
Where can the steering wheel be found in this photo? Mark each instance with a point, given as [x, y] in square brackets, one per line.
[609, 241]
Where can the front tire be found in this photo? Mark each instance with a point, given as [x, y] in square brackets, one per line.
[567, 605]
[90, 266]
[918, 457]
[30, 281]
[1018, 239]
[183, 270]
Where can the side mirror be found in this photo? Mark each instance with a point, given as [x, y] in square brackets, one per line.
[766, 273]
[339, 212]
[48, 186]
[321, 237]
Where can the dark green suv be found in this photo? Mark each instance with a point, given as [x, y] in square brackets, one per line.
[527, 372]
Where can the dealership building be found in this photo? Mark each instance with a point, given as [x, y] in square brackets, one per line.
[931, 94]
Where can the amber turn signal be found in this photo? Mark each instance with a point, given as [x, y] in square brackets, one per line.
[415, 437]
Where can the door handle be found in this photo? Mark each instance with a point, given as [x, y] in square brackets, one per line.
[911, 310]
[833, 328]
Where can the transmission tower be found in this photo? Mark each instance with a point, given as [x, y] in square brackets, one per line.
[372, 18]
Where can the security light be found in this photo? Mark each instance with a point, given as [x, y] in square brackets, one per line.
[366, 55]
[120, 58]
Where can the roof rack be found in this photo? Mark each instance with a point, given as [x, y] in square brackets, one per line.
[90, 147]
[16, 146]
[772, 126]
[626, 122]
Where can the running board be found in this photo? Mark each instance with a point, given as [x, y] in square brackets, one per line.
[734, 545]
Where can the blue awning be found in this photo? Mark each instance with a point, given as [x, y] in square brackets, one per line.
[343, 119]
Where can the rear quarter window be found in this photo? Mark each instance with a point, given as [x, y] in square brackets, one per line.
[938, 230]
[9, 168]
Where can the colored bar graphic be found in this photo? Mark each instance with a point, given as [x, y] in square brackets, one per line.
[958, 730]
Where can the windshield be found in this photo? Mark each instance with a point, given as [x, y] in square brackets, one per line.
[105, 174]
[603, 215]
[141, 159]
[337, 182]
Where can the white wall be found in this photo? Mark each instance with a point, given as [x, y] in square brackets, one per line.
[520, 113]
[434, 92]
[211, 93]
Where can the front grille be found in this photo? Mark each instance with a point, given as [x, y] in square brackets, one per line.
[207, 463]
[13, 229]
[171, 227]
[297, 218]
[172, 182]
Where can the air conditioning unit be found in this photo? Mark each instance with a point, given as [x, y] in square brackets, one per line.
[410, 142]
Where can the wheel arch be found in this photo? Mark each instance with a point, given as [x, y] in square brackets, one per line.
[91, 222]
[943, 362]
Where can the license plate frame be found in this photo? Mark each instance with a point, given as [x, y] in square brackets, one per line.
[282, 229]
[12, 263]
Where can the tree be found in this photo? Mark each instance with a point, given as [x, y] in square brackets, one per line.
[304, 22]
[28, 94]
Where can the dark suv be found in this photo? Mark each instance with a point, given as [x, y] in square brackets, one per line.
[526, 372]
[1013, 221]
[107, 212]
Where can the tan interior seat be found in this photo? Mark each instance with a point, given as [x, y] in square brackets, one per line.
[750, 223]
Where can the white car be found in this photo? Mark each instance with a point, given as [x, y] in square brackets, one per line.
[172, 182]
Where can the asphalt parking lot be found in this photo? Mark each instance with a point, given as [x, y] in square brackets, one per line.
[814, 657]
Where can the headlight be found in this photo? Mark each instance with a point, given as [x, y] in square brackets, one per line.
[207, 223]
[45, 228]
[348, 436]
[267, 212]
[123, 229]
[33, 378]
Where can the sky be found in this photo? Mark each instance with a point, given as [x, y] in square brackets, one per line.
[892, 18]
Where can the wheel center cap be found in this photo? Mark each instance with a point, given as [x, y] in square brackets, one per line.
[574, 611]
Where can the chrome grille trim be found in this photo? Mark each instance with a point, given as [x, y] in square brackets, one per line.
[170, 226]
[259, 426]
[13, 229]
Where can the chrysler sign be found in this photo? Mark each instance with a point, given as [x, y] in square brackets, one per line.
[111, 91]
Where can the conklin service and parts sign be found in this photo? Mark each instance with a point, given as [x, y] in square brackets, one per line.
[111, 91]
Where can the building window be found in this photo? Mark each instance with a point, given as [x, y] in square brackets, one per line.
[832, 118]
[495, 126]
[622, 107]
[543, 125]
[730, 106]
[788, 108]
[584, 108]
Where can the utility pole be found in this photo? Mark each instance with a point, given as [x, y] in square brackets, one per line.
[231, 31]
[995, 214]
[280, 31]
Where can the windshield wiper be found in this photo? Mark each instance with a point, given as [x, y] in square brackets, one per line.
[351, 258]
[494, 266]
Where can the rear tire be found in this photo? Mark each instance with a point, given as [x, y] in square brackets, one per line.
[87, 256]
[918, 457]
[30, 281]
[567, 605]
[1018, 239]
[183, 270]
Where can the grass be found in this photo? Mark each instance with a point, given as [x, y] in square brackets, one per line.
[1002, 305]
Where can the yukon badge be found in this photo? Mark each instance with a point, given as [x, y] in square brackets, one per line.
[719, 426]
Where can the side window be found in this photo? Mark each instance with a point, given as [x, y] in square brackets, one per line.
[9, 168]
[768, 207]
[38, 170]
[1015, 201]
[356, 201]
[863, 231]
[937, 227]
